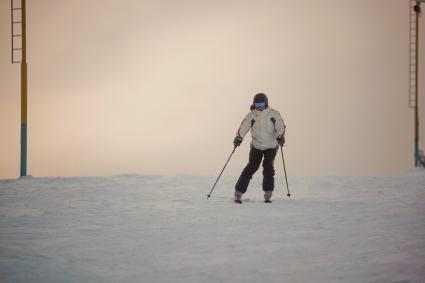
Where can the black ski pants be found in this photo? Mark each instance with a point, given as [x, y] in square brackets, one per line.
[255, 157]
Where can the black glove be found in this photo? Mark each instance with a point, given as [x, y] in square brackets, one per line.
[237, 141]
[280, 140]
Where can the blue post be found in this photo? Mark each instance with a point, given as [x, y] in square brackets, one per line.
[23, 150]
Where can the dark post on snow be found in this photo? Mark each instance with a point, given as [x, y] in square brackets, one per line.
[415, 11]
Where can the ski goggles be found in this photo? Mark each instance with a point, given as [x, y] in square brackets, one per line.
[260, 104]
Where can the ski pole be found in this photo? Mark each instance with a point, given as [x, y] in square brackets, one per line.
[209, 195]
[283, 159]
[284, 169]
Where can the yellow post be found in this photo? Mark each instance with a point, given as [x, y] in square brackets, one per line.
[24, 115]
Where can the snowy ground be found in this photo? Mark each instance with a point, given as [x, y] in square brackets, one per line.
[163, 229]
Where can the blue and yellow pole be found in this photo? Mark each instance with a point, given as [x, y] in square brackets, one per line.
[24, 116]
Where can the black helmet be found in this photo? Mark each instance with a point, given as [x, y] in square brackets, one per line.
[261, 97]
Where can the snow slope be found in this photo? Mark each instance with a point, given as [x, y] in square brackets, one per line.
[163, 229]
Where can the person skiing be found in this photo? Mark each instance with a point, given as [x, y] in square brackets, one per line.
[268, 133]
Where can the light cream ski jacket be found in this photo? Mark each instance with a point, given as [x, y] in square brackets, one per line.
[263, 130]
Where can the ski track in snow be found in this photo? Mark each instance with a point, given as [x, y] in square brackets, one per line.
[134, 228]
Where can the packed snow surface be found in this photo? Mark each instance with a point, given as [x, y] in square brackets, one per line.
[163, 229]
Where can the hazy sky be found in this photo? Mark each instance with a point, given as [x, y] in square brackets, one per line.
[160, 87]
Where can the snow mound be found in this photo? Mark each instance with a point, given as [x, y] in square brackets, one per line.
[163, 229]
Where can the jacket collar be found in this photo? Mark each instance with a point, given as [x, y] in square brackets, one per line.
[261, 113]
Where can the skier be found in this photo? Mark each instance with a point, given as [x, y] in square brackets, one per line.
[268, 132]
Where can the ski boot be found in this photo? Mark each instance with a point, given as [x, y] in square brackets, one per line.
[238, 197]
[268, 196]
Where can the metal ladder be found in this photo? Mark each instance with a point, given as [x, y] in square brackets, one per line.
[413, 54]
[16, 17]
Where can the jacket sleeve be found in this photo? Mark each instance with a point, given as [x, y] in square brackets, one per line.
[280, 125]
[245, 125]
